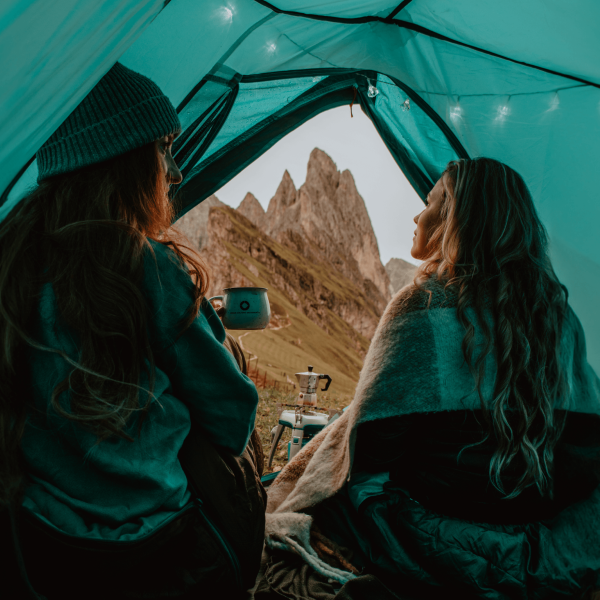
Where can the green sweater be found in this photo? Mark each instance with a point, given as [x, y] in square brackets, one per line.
[120, 489]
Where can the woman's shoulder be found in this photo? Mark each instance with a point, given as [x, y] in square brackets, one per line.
[162, 261]
[166, 275]
[428, 294]
[162, 254]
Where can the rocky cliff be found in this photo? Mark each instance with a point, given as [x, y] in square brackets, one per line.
[401, 273]
[326, 220]
[238, 253]
[194, 224]
[252, 209]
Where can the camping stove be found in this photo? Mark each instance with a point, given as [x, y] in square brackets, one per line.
[304, 422]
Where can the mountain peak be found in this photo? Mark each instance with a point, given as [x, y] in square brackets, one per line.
[401, 273]
[318, 156]
[287, 178]
[283, 209]
[252, 209]
[321, 172]
[327, 221]
[286, 192]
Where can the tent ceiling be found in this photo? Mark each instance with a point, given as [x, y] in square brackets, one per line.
[516, 81]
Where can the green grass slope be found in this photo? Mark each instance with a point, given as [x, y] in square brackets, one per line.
[305, 303]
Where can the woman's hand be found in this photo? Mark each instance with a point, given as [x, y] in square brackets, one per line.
[219, 309]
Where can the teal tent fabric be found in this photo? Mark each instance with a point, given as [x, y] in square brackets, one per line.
[52, 54]
[515, 81]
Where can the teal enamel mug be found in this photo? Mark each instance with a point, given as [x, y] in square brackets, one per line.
[245, 308]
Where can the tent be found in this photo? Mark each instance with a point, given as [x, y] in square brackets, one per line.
[516, 81]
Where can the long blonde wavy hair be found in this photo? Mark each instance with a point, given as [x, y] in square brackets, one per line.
[491, 244]
[86, 233]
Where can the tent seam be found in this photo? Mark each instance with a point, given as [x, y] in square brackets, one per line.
[418, 29]
[398, 9]
[550, 91]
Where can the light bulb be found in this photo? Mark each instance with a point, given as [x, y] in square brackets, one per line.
[455, 113]
[502, 112]
[227, 13]
[373, 91]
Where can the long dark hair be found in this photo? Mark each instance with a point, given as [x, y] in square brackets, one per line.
[492, 245]
[86, 233]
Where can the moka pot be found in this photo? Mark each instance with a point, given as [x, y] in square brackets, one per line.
[307, 382]
[304, 424]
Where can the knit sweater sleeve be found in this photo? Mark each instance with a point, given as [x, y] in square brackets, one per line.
[203, 373]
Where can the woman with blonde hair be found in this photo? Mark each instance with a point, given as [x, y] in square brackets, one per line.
[124, 419]
[468, 463]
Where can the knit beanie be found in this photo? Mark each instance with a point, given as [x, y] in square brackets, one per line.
[124, 111]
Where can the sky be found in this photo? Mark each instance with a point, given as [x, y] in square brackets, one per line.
[353, 144]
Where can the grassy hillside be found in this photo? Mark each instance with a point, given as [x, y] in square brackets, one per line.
[296, 287]
[293, 347]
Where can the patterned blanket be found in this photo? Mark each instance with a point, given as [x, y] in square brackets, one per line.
[414, 365]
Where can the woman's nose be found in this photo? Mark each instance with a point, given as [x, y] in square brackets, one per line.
[416, 219]
[174, 174]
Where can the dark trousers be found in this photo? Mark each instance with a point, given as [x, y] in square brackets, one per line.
[193, 556]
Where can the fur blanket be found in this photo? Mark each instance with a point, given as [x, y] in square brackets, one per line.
[414, 365]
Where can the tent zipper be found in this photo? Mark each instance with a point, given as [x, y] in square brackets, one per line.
[228, 549]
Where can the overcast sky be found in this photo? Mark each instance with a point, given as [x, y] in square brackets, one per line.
[354, 144]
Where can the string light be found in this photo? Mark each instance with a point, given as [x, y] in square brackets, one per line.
[372, 91]
[227, 13]
[456, 113]
[502, 112]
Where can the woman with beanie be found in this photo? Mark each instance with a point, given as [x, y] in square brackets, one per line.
[468, 464]
[111, 356]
